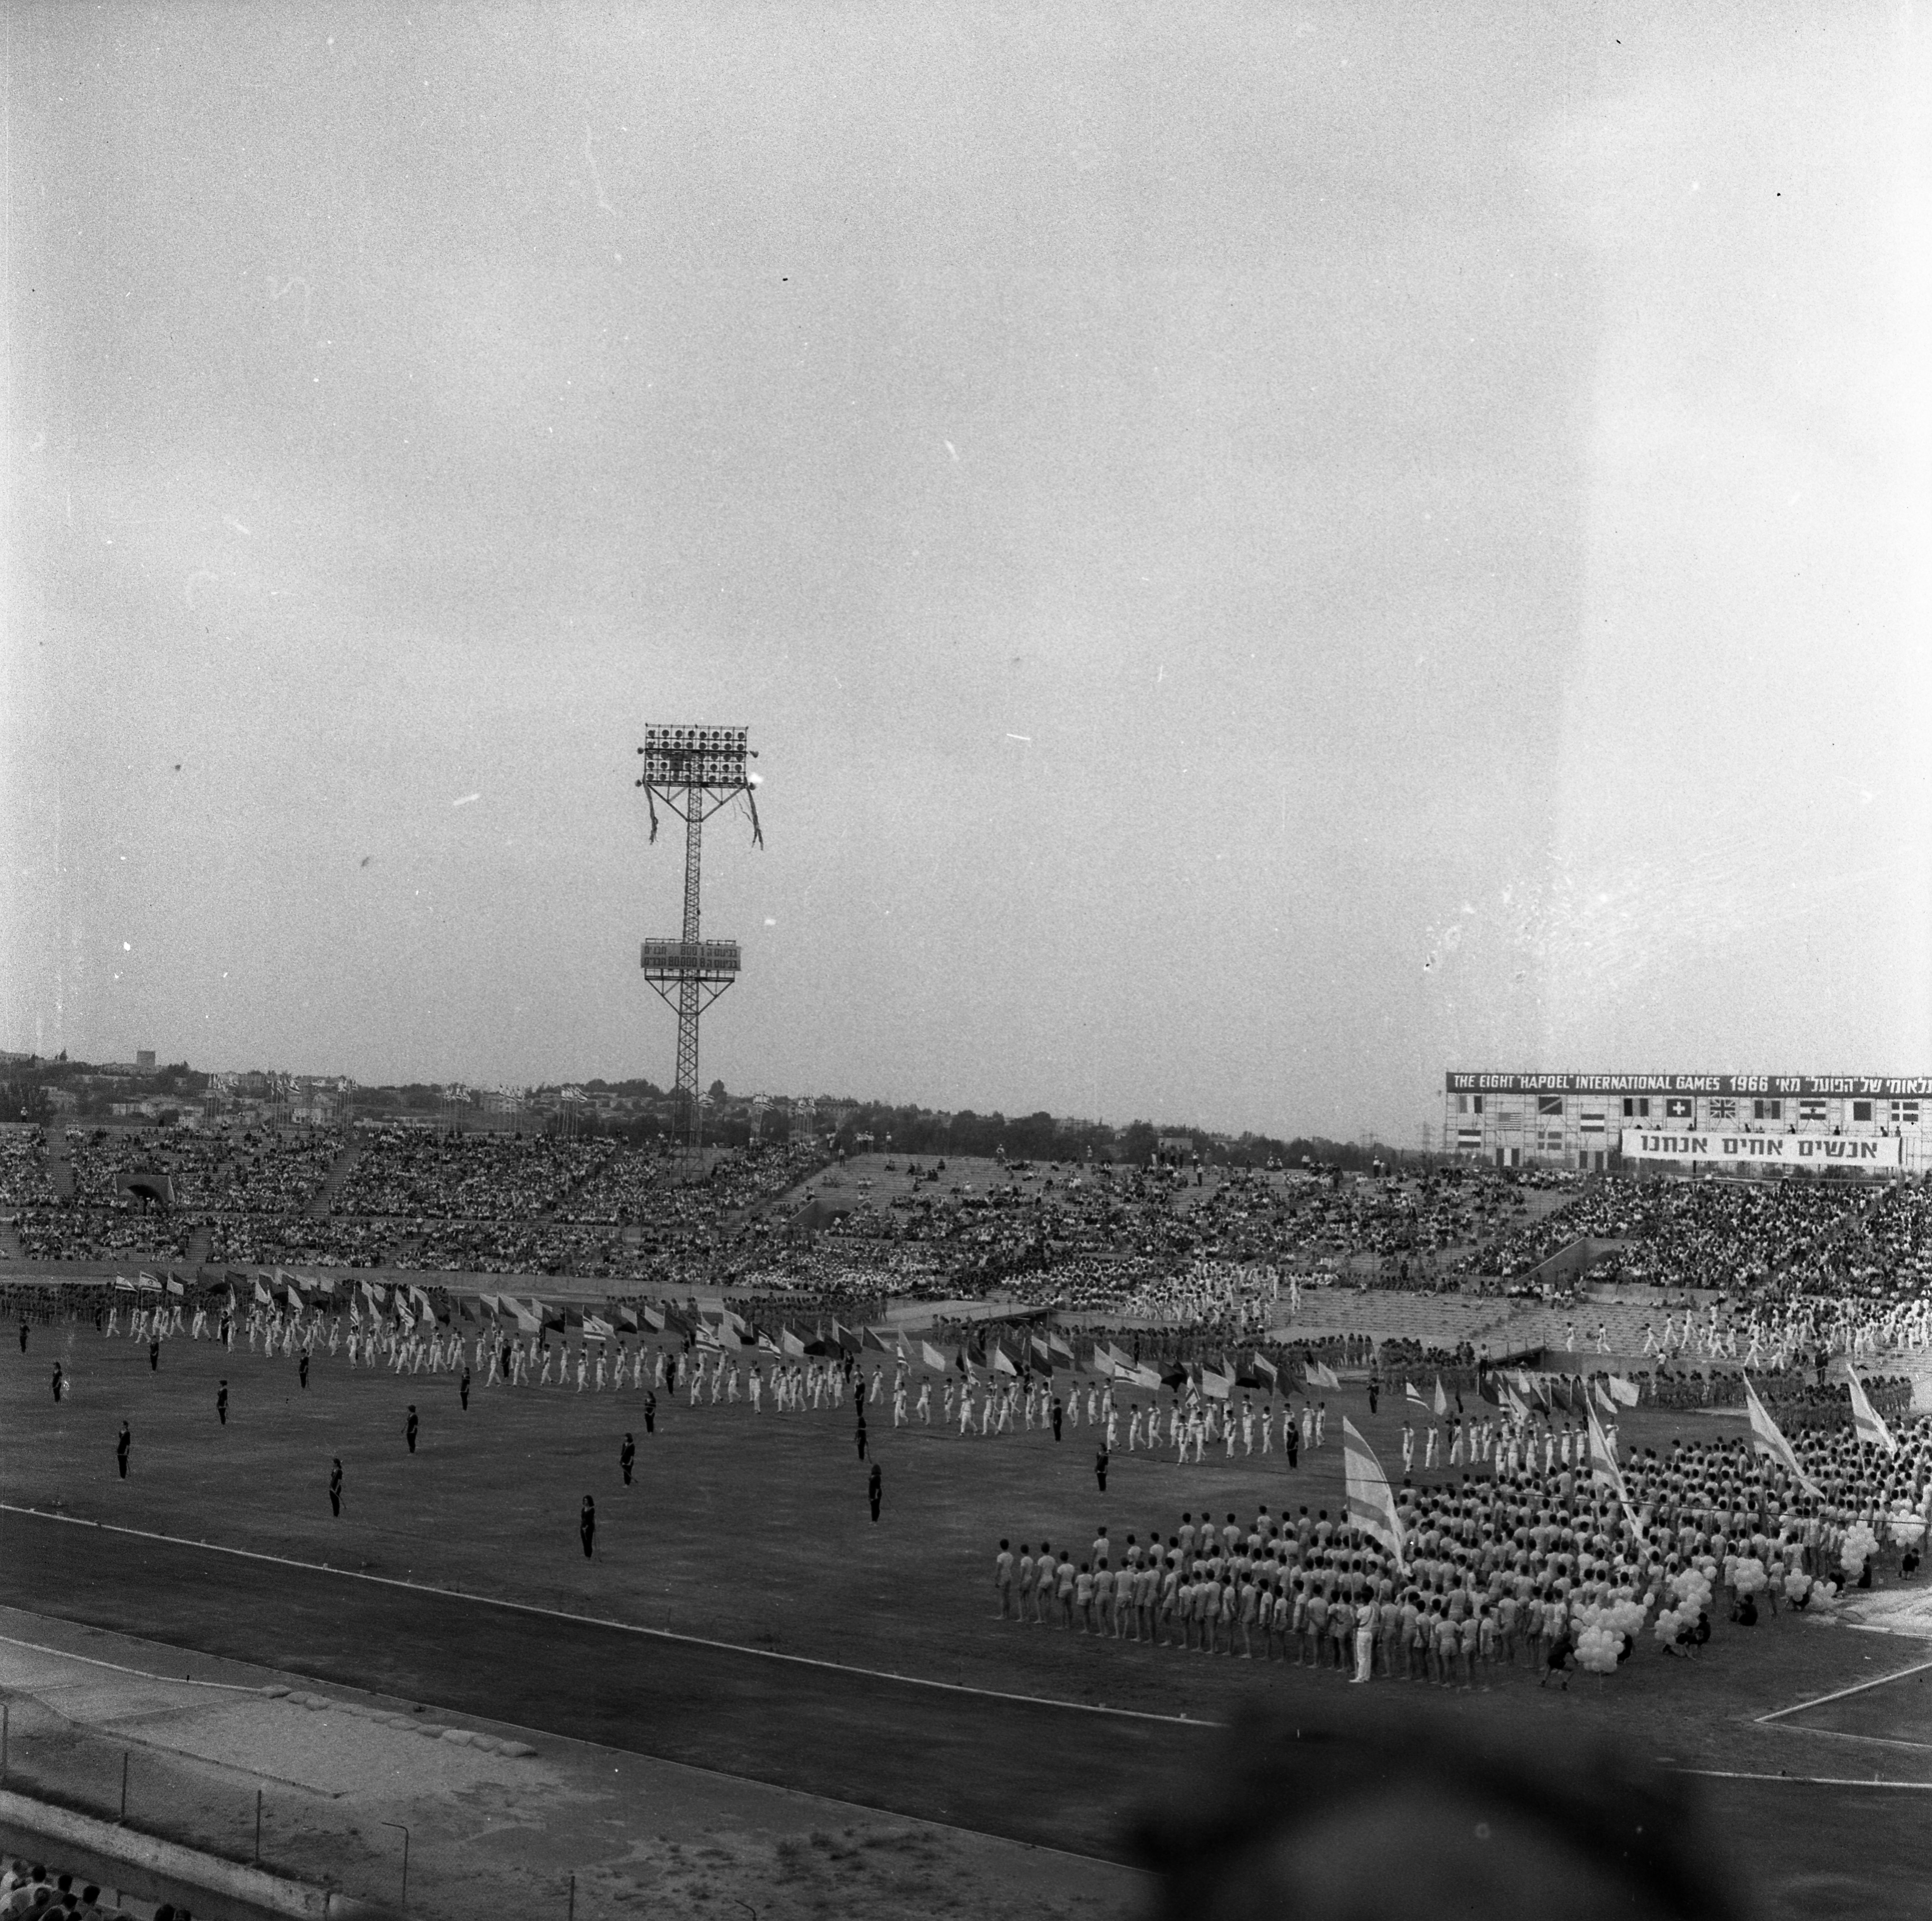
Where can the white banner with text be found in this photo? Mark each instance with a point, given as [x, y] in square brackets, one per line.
[1812, 1150]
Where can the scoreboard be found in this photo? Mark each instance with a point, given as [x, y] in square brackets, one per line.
[1595, 1122]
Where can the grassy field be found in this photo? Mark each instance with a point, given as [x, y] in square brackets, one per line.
[754, 1531]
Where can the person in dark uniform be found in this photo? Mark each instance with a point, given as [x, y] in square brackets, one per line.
[860, 1436]
[409, 1430]
[335, 1487]
[58, 1383]
[873, 1482]
[121, 1447]
[1100, 1467]
[221, 1405]
[23, 1334]
[1059, 1414]
[586, 1526]
[1557, 1661]
[1375, 1390]
[1291, 1440]
[154, 1357]
[627, 1456]
[302, 1368]
[650, 1411]
[463, 1389]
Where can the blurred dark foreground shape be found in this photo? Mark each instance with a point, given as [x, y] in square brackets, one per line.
[1422, 1816]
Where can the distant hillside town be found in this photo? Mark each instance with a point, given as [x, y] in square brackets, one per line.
[57, 1091]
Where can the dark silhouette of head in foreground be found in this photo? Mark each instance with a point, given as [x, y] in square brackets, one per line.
[1418, 1815]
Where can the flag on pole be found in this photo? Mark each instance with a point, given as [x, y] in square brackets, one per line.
[1103, 1362]
[175, 1286]
[126, 1285]
[653, 1318]
[1769, 1439]
[1371, 1502]
[1147, 1377]
[1604, 1472]
[1623, 1392]
[1216, 1386]
[1003, 1361]
[627, 1318]
[595, 1328]
[931, 1357]
[1265, 1370]
[262, 1293]
[1865, 1422]
[790, 1346]
[1441, 1399]
[1413, 1397]
[1319, 1374]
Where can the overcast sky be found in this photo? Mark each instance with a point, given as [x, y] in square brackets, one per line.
[1266, 552]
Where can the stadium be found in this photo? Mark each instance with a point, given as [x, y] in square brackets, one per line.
[559, 1359]
[998, 1322]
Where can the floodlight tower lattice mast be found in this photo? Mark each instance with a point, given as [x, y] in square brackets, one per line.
[695, 771]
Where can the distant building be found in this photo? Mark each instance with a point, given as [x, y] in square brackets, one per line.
[144, 1060]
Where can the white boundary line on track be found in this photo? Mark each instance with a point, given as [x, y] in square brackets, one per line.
[142, 1674]
[621, 1627]
[1857, 1688]
[1839, 1734]
[1805, 1780]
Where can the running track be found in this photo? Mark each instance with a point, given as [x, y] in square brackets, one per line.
[1052, 1774]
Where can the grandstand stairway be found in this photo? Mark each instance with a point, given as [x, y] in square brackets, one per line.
[198, 1244]
[321, 1202]
[60, 1169]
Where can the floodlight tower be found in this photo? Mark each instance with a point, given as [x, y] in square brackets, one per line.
[695, 771]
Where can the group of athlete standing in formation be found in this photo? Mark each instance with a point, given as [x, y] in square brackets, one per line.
[1540, 1559]
[407, 1347]
[1524, 1556]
